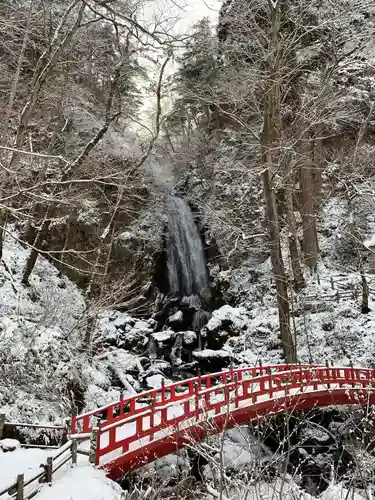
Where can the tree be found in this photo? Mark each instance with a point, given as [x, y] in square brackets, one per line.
[276, 94]
[197, 70]
[68, 173]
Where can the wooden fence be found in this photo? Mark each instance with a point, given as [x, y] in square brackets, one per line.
[25, 488]
[338, 291]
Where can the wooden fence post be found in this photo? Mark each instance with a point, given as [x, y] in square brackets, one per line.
[48, 469]
[93, 445]
[74, 451]
[2, 424]
[20, 483]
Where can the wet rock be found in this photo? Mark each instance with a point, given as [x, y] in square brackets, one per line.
[206, 295]
[315, 436]
[122, 320]
[134, 340]
[200, 319]
[212, 361]
[189, 338]
[176, 321]
[164, 336]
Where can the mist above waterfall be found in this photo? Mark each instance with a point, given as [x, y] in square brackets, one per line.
[187, 271]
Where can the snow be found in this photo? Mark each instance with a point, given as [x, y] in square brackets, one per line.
[21, 461]
[166, 467]
[210, 353]
[156, 381]
[339, 492]
[370, 242]
[237, 316]
[9, 444]
[164, 335]
[35, 320]
[82, 482]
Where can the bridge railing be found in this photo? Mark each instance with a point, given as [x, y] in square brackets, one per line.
[234, 388]
[133, 405]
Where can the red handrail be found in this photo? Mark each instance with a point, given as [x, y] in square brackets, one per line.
[115, 411]
[184, 408]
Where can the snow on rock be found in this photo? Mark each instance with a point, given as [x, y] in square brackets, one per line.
[176, 317]
[315, 433]
[370, 242]
[83, 482]
[339, 492]
[168, 467]
[226, 316]
[189, 337]
[156, 381]
[241, 450]
[9, 444]
[164, 335]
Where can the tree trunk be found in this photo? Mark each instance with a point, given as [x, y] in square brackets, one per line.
[3, 223]
[277, 264]
[271, 124]
[310, 238]
[33, 256]
[299, 281]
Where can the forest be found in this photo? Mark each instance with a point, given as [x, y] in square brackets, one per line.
[187, 201]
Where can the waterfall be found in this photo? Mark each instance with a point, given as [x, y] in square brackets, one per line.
[187, 272]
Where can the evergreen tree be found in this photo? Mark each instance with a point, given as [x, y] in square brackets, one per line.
[195, 82]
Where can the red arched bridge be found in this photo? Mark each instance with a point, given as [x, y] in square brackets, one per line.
[136, 430]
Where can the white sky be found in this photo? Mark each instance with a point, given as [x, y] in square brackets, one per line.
[188, 12]
[181, 15]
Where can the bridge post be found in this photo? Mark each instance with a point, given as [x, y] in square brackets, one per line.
[93, 445]
[152, 415]
[74, 451]
[162, 390]
[352, 372]
[48, 470]
[270, 388]
[260, 368]
[235, 389]
[328, 374]
[196, 390]
[20, 484]
[73, 425]
[2, 424]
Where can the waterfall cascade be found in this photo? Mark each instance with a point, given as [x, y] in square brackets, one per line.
[187, 271]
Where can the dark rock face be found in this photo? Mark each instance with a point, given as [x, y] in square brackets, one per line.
[211, 361]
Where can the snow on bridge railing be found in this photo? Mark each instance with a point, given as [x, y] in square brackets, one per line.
[176, 391]
[163, 419]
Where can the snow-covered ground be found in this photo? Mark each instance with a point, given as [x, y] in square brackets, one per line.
[81, 483]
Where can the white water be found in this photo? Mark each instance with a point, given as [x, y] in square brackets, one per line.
[187, 272]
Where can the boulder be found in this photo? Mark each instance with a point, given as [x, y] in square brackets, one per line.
[211, 361]
[9, 445]
[176, 321]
